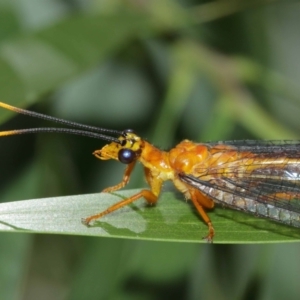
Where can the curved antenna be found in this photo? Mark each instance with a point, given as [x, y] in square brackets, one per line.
[57, 120]
[60, 130]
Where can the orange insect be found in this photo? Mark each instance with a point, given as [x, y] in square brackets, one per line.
[258, 177]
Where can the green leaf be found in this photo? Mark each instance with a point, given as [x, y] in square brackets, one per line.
[170, 220]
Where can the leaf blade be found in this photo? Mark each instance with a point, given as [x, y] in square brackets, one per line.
[170, 220]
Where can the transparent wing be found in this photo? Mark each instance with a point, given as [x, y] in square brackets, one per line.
[264, 174]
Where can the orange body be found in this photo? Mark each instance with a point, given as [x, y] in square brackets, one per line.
[159, 166]
[262, 179]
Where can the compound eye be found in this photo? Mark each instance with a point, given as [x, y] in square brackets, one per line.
[126, 156]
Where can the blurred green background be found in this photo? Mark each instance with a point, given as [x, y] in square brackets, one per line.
[202, 70]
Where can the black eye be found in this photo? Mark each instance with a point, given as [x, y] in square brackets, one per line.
[126, 156]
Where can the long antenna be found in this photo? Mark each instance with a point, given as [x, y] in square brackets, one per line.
[60, 130]
[57, 120]
[90, 131]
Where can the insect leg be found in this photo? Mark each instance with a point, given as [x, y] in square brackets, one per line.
[151, 196]
[200, 201]
[148, 195]
[124, 181]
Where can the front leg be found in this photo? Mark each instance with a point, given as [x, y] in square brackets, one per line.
[151, 196]
[124, 181]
